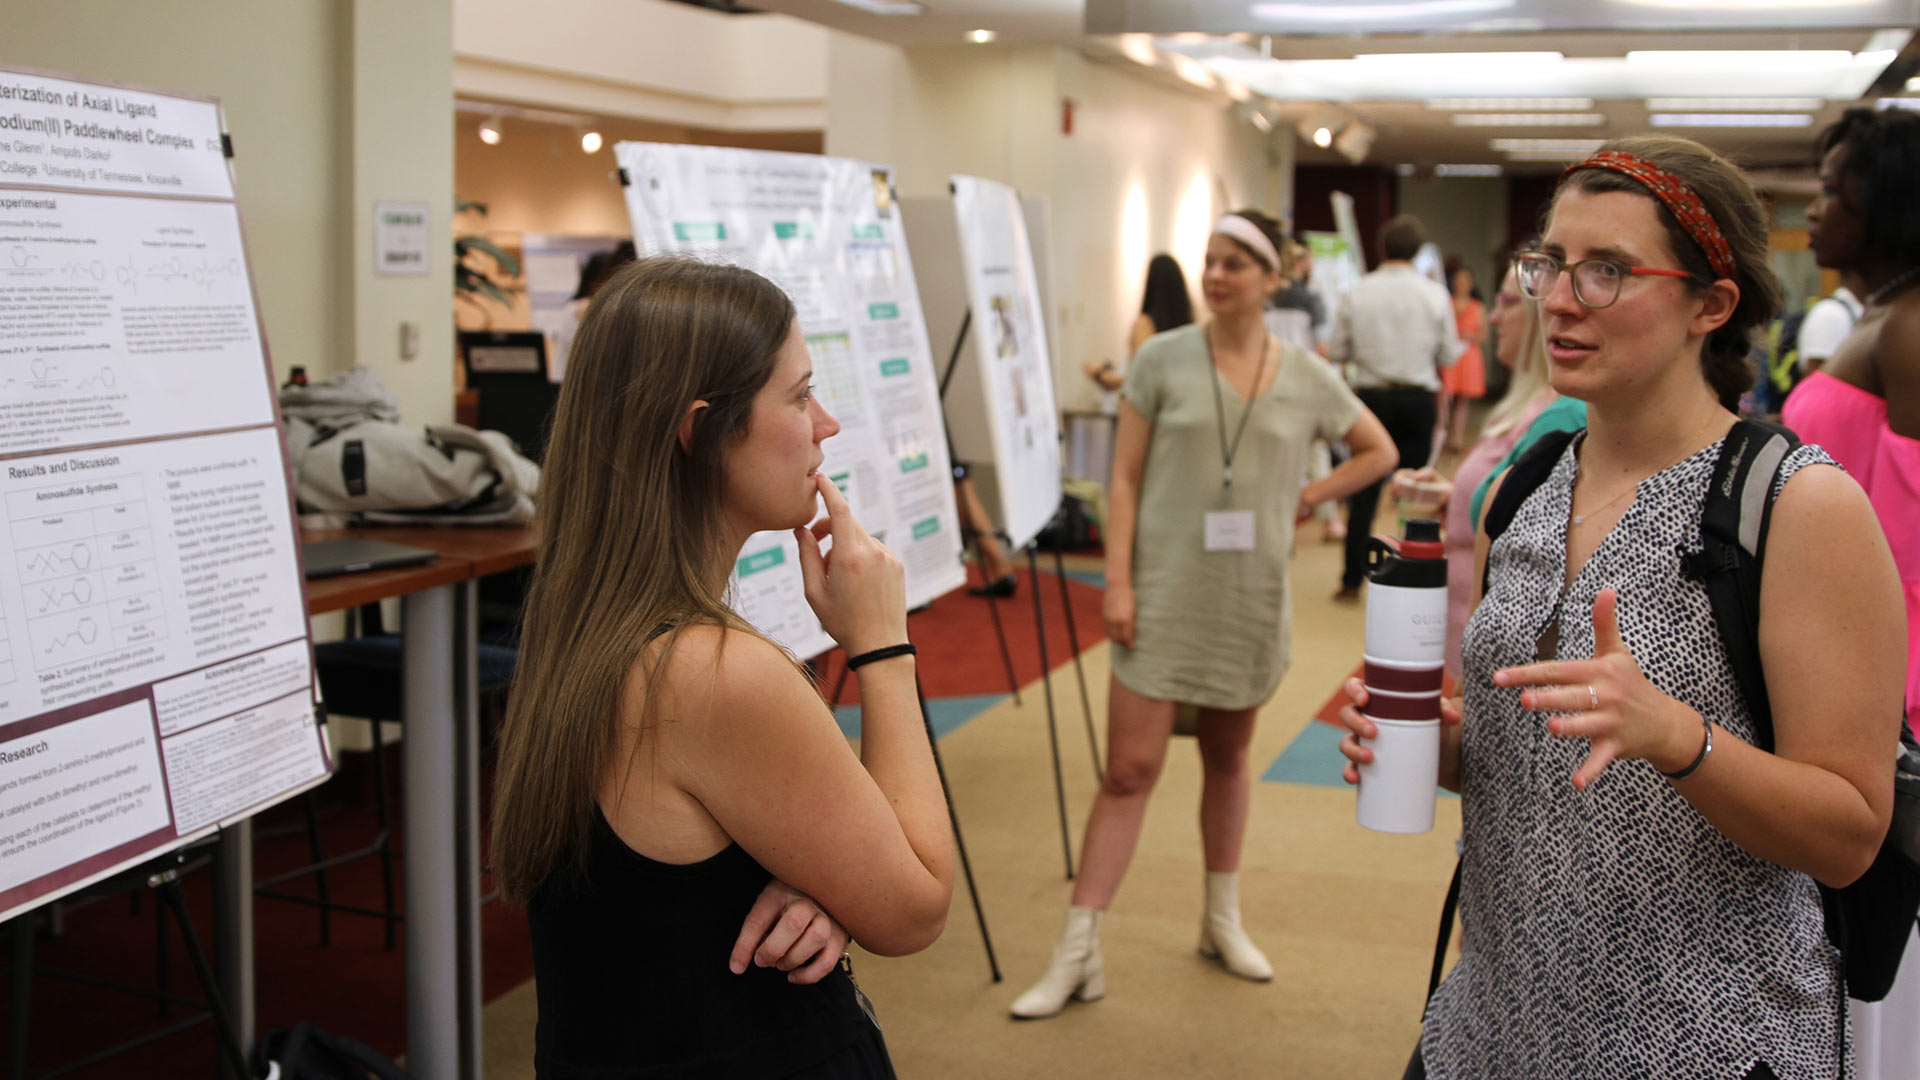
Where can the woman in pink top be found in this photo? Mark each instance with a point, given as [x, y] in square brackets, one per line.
[1863, 405]
[1520, 346]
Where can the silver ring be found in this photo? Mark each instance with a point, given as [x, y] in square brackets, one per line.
[1593, 697]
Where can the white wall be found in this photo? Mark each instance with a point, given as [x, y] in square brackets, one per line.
[1465, 216]
[1147, 167]
[276, 70]
[331, 105]
[647, 59]
[401, 149]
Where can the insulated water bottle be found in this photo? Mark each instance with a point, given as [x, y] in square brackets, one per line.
[1405, 653]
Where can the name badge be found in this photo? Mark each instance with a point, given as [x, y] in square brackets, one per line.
[1230, 530]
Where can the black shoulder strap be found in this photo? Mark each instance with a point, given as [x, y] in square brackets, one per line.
[1527, 473]
[1733, 539]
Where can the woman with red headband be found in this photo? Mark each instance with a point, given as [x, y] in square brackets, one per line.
[1638, 876]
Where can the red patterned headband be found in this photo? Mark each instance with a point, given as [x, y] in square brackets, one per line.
[1676, 196]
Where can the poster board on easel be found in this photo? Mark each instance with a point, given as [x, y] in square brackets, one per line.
[827, 232]
[156, 674]
[1009, 352]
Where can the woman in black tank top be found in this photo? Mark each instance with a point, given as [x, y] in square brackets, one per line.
[693, 839]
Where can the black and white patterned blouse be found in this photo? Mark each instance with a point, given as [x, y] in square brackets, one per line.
[1615, 932]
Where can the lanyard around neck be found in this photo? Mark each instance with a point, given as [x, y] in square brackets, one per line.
[1228, 451]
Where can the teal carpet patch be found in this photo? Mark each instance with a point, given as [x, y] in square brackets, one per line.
[947, 714]
[1314, 758]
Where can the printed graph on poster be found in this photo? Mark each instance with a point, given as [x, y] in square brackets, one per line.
[1010, 350]
[155, 671]
[824, 230]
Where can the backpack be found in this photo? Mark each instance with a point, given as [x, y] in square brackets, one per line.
[304, 1052]
[1870, 920]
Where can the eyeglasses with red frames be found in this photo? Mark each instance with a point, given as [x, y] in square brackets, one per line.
[1596, 281]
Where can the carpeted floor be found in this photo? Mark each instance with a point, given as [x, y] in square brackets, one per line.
[1346, 915]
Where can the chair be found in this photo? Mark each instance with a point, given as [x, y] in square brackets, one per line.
[361, 676]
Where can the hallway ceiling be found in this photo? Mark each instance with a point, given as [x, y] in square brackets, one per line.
[1298, 56]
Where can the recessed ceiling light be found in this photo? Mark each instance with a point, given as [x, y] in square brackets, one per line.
[1731, 120]
[1528, 119]
[1510, 103]
[885, 7]
[1139, 49]
[1323, 137]
[1578, 147]
[981, 37]
[1194, 72]
[1708, 104]
[1740, 59]
[1466, 170]
[1898, 103]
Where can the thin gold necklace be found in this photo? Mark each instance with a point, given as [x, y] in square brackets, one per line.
[1581, 519]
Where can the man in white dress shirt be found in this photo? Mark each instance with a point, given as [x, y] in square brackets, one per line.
[1396, 328]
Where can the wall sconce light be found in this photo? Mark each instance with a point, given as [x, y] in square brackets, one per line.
[590, 142]
[490, 131]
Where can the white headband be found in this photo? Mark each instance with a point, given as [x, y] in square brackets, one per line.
[1251, 235]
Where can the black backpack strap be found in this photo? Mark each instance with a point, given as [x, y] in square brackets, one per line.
[1447, 910]
[1733, 538]
[1526, 474]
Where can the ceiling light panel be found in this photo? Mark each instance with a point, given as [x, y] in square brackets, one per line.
[1724, 104]
[885, 7]
[1581, 147]
[1528, 119]
[1740, 59]
[1413, 77]
[1510, 103]
[1467, 170]
[1487, 16]
[1730, 120]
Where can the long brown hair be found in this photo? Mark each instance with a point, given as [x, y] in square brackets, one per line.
[1730, 197]
[629, 532]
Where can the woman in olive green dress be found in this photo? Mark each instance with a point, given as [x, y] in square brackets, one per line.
[1209, 477]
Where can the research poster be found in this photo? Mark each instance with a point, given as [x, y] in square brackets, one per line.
[155, 670]
[1010, 351]
[826, 231]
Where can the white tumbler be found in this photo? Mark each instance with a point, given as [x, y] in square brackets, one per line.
[1399, 787]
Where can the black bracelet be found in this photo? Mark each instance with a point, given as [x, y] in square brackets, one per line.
[1705, 749]
[855, 663]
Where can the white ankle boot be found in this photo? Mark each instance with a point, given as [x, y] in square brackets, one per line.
[1221, 936]
[1076, 972]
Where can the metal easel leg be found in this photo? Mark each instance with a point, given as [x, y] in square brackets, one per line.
[953, 816]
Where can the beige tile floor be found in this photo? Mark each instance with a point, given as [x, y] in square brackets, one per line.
[1347, 916]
